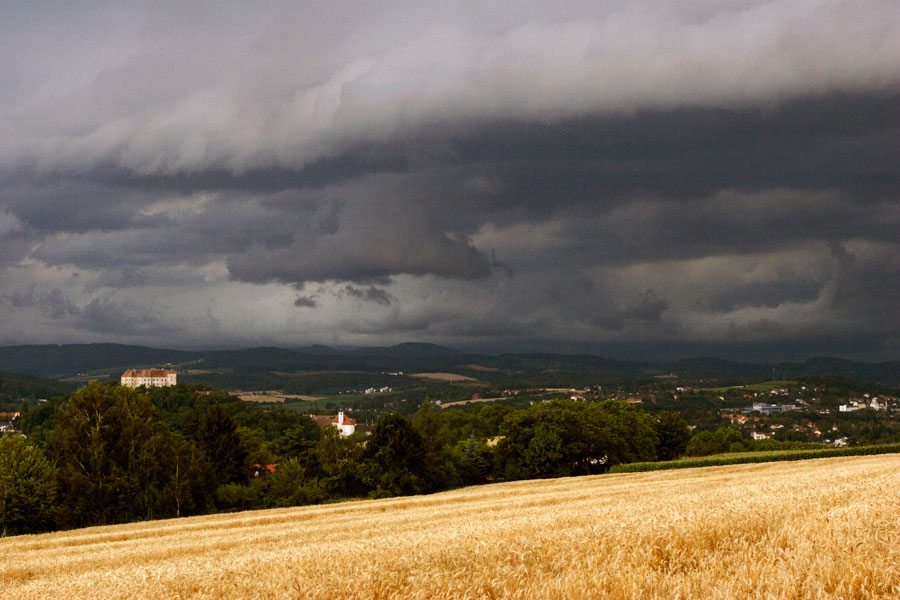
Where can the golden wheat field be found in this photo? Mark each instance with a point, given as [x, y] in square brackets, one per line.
[827, 528]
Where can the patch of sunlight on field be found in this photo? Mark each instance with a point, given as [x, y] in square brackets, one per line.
[451, 377]
[472, 400]
[824, 528]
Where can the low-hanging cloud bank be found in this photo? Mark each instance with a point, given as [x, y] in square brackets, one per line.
[243, 96]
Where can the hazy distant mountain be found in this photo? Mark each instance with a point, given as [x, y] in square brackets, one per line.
[68, 360]
[71, 359]
[411, 350]
[317, 349]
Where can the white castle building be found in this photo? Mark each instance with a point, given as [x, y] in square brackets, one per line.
[149, 377]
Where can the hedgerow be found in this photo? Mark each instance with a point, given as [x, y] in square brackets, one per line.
[756, 457]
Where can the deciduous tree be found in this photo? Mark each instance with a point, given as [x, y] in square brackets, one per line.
[395, 457]
[116, 458]
[27, 487]
[672, 434]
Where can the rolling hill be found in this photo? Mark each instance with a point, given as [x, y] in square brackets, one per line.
[60, 361]
[810, 529]
[15, 387]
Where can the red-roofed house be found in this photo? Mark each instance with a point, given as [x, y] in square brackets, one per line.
[263, 470]
[322, 420]
[345, 424]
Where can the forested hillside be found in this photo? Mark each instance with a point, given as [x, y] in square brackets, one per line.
[60, 361]
[14, 388]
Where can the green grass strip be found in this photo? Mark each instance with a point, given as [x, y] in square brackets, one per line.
[755, 457]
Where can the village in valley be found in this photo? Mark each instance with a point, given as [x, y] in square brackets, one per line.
[176, 433]
[821, 410]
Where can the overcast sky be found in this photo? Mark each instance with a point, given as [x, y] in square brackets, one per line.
[636, 179]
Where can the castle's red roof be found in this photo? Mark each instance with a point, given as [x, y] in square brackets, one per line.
[147, 373]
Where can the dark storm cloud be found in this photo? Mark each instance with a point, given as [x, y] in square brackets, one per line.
[107, 317]
[767, 294]
[96, 316]
[649, 309]
[374, 159]
[371, 294]
[509, 174]
[177, 99]
[564, 174]
[867, 283]
[369, 255]
[53, 303]
[833, 142]
[50, 204]
[305, 302]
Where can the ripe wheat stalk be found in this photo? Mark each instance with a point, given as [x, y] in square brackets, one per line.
[827, 528]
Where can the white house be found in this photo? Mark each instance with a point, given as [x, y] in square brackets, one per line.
[149, 377]
[345, 424]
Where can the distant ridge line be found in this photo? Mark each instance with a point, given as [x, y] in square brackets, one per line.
[67, 360]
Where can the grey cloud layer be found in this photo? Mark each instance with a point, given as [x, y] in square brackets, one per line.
[196, 97]
[694, 173]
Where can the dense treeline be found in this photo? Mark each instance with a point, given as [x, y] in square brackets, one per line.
[109, 454]
[743, 458]
[14, 388]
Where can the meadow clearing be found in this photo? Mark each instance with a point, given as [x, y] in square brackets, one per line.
[826, 528]
[450, 377]
[275, 397]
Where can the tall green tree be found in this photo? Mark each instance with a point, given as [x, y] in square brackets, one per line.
[116, 459]
[340, 460]
[474, 459]
[191, 482]
[547, 440]
[27, 487]
[217, 435]
[630, 428]
[395, 456]
[293, 484]
[723, 439]
[439, 468]
[573, 438]
[672, 434]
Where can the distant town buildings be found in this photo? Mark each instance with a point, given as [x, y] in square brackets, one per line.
[861, 403]
[768, 409]
[149, 377]
[6, 422]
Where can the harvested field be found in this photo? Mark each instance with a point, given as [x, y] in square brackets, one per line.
[463, 402]
[262, 396]
[443, 377]
[823, 528]
[276, 396]
[305, 373]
